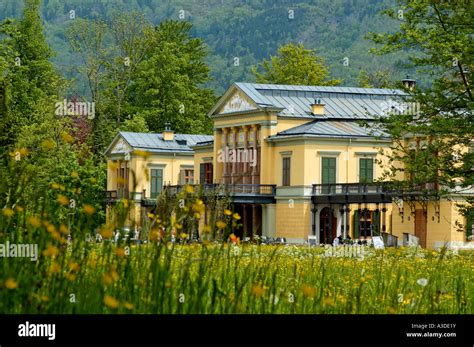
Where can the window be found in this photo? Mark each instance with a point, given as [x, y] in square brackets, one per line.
[366, 170]
[470, 224]
[187, 176]
[156, 182]
[366, 223]
[122, 182]
[328, 173]
[205, 173]
[286, 171]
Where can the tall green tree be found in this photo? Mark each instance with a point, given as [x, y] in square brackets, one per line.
[169, 84]
[31, 84]
[295, 65]
[431, 143]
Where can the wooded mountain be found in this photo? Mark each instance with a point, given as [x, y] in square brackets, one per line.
[241, 33]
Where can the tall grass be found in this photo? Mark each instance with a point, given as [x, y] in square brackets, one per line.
[171, 274]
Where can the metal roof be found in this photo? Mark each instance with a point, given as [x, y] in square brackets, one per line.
[340, 102]
[331, 128]
[155, 143]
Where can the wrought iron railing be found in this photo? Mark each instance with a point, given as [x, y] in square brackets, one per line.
[395, 188]
[231, 189]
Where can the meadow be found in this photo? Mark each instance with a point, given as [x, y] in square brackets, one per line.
[231, 278]
[169, 272]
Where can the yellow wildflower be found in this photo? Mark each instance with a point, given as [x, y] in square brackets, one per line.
[63, 228]
[128, 306]
[120, 252]
[54, 268]
[189, 189]
[107, 279]
[114, 274]
[74, 266]
[70, 277]
[257, 290]
[220, 224]
[236, 216]
[308, 291]
[10, 283]
[66, 137]
[51, 251]
[89, 209]
[7, 212]
[74, 174]
[35, 222]
[18, 208]
[23, 152]
[227, 212]
[110, 302]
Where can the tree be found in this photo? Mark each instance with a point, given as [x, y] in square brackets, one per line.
[29, 80]
[168, 86]
[430, 144]
[294, 65]
[375, 79]
[131, 42]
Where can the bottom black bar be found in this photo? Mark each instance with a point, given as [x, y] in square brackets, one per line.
[216, 329]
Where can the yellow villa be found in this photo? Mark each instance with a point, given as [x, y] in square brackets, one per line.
[298, 165]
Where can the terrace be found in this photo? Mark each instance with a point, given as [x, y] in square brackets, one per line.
[240, 193]
[378, 192]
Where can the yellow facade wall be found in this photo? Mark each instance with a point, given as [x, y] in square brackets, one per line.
[293, 222]
[141, 167]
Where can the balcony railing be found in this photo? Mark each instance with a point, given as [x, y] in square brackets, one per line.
[243, 192]
[114, 195]
[370, 192]
[231, 189]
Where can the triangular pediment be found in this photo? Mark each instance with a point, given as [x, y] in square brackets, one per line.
[120, 146]
[237, 102]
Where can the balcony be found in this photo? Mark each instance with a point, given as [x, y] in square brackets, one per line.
[112, 196]
[377, 192]
[240, 193]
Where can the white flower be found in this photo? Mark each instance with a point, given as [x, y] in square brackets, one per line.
[422, 282]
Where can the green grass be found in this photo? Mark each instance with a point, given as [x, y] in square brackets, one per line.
[227, 278]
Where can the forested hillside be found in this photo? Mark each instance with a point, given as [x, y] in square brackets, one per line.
[239, 36]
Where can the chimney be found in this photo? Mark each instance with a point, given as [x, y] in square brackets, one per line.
[168, 134]
[317, 108]
[409, 83]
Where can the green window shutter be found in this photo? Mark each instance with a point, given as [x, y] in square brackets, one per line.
[328, 170]
[156, 182]
[366, 170]
[370, 170]
[376, 222]
[286, 171]
[202, 173]
[469, 222]
[355, 224]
